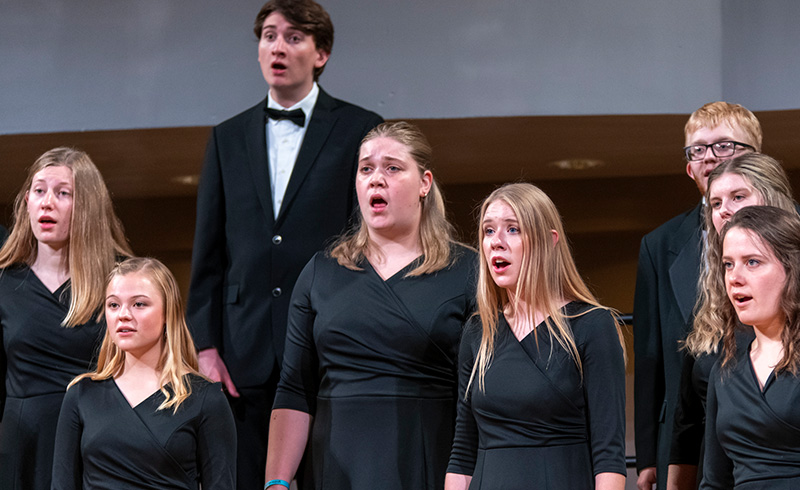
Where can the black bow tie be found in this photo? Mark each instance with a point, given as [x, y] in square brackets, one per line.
[297, 116]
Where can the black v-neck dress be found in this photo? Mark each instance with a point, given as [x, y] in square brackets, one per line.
[752, 435]
[104, 443]
[39, 358]
[538, 424]
[374, 362]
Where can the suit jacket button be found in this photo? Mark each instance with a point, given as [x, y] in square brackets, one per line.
[276, 292]
[277, 239]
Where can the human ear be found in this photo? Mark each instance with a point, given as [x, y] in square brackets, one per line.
[427, 183]
[322, 58]
[689, 170]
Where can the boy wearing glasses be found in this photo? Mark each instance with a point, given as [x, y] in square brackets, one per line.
[666, 286]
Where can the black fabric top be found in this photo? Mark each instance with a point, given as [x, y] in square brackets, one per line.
[375, 362]
[103, 442]
[752, 436]
[351, 333]
[690, 411]
[39, 355]
[538, 420]
[38, 359]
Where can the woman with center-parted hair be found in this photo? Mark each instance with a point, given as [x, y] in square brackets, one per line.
[145, 419]
[750, 179]
[64, 240]
[369, 375]
[752, 419]
[541, 367]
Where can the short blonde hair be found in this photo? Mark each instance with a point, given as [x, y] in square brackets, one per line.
[713, 114]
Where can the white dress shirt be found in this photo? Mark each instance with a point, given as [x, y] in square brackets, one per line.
[284, 138]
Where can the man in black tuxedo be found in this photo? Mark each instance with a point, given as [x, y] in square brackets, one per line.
[666, 287]
[277, 184]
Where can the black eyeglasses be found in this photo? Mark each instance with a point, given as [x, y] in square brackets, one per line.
[719, 149]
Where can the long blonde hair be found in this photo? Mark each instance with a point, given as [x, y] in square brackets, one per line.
[178, 354]
[436, 232]
[547, 275]
[96, 236]
[767, 177]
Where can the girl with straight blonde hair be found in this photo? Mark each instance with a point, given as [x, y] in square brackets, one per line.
[145, 417]
[96, 236]
[64, 240]
[542, 369]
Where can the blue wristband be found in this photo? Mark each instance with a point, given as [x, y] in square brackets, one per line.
[276, 482]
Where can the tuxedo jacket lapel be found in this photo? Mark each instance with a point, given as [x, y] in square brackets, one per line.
[685, 270]
[257, 156]
[319, 127]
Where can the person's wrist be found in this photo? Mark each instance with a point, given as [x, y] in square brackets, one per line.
[276, 482]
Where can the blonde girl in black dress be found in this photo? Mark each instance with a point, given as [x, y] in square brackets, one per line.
[64, 240]
[145, 419]
[542, 371]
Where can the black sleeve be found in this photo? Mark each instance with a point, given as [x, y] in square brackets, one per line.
[204, 306]
[603, 364]
[717, 467]
[687, 435]
[472, 283]
[216, 441]
[648, 391]
[299, 382]
[465, 440]
[67, 460]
